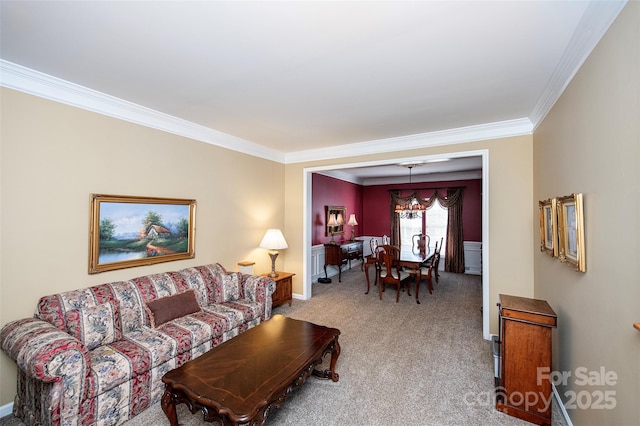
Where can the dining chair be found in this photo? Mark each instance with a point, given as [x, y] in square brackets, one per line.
[436, 260]
[390, 271]
[420, 242]
[427, 269]
[373, 244]
[376, 255]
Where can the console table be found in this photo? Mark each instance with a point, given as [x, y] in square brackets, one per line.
[340, 253]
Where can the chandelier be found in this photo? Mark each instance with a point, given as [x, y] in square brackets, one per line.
[412, 206]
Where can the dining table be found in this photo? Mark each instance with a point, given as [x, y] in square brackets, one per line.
[411, 258]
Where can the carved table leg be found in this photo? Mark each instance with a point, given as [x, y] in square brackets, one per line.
[330, 373]
[169, 407]
[334, 357]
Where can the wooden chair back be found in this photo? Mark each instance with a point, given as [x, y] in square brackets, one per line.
[390, 271]
[420, 243]
[436, 260]
[373, 244]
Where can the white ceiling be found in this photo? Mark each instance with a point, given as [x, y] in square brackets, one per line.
[300, 80]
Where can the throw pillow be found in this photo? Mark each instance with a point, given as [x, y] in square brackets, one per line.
[171, 307]
[95, 326]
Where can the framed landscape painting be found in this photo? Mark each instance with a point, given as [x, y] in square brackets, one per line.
[126, 231]
[571, 231]
[548, 227]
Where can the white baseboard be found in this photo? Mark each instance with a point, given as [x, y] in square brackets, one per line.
[561, 405]
[6, 409]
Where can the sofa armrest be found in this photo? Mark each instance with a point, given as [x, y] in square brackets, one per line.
[259, 289]
[43, 351]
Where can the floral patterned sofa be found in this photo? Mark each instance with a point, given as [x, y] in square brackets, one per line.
[97, 355]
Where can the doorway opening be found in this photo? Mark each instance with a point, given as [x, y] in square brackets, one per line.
[307, 226]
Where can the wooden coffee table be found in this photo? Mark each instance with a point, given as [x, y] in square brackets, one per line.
[242, 379]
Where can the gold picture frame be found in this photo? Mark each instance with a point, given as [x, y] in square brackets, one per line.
[549, 227]
[571, 231]
[127, 231]
[335, 226]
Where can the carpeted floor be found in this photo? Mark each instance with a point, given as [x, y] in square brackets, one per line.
[404, 363]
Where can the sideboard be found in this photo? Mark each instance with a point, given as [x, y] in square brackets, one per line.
[340, 253]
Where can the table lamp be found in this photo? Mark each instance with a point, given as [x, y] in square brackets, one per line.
[353, 222]
[273, 241]
[333, 222]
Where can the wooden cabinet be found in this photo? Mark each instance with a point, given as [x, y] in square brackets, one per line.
[284, 291]
[340, 253]
[523, 388]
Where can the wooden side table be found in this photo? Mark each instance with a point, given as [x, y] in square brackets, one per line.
[284, 288]
[525, 350]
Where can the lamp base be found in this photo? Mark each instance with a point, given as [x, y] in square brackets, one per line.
[273, 255]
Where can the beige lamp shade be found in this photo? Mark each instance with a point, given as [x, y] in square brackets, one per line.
[353, 222]
[273, 241]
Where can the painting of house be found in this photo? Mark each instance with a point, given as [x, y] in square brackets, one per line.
[157, 231]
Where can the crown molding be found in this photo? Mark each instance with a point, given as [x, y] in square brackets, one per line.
[17, 77]
[399, 180]
[598, 17]
[497, 130]
[23, 79]
[596, 20]
[430, 177]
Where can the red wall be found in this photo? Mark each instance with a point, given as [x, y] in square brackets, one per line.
[371, 205]
[328, 191]
[376, 204]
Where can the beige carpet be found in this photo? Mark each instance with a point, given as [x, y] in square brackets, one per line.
[404, 363]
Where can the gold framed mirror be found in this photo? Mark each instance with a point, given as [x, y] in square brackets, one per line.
[335, 219]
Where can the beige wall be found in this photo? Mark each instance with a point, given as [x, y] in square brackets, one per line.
[54, 156]
[511, 241]
[590, 143]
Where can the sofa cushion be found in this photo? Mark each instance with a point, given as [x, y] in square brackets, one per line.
[223, 286]
[131, 357]
[96, 325]
[215, 285]
[193, 330]
[195, 279]
[231, 286]
[131, 306]
[168, 308]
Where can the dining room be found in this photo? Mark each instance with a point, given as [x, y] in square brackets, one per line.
[407, 203]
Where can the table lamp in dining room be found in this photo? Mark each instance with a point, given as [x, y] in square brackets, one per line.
[273, 241]
[352, 222]
[333, 222]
